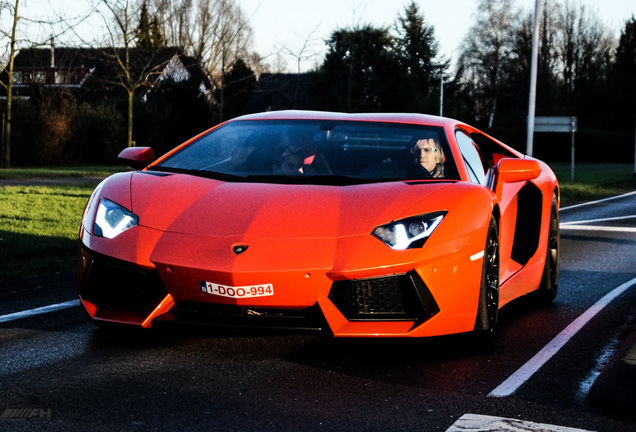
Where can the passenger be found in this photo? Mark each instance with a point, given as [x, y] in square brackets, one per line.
[289, 160]
[430, 156]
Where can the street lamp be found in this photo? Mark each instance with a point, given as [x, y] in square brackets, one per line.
[533, 77]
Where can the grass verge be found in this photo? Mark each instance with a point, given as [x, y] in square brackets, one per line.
[57, 172]
[593, 181]
[39, 227]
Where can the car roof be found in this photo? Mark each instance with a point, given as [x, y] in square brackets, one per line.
[410, 118]
[325, 115]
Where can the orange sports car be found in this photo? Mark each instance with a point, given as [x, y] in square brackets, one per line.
[360, 225]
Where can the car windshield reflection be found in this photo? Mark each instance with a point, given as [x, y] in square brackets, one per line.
[316, 152]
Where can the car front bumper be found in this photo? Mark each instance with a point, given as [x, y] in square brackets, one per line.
[348, 287]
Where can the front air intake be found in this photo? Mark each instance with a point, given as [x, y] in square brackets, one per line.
[402, 297]
[122, 286]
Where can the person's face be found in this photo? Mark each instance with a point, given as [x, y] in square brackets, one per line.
[428, 153]
[288, 163]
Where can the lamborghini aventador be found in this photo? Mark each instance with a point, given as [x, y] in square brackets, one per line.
[359, 225]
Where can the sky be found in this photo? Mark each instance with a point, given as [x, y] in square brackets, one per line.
[300, 27]
[294, 23]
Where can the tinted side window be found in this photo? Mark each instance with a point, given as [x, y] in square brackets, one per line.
[471, 157]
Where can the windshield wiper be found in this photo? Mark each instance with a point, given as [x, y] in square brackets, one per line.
[343, 180]
[200, 173]
[326, 180]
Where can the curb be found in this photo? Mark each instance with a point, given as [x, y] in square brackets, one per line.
[615, 387]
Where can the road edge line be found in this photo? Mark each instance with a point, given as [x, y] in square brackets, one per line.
[38, 311]
[517, 379]
[597, 201]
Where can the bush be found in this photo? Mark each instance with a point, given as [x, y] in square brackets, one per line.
[52, 128]
[180, 112]
[99, 135]
[27, 134]
[59, 132]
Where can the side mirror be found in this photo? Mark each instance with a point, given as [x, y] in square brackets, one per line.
[137, 157]
[512, 170]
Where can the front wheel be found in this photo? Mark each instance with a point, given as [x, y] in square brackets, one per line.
[488, 307]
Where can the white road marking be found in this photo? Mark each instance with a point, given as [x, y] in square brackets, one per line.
[581, 225]
[37, 311]
[600, 220]
[598, 228]
[476, 423]
[526, 371]
[597, 201]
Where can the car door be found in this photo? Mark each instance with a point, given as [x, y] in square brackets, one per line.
[481, 171]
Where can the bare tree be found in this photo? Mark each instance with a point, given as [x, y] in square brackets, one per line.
[38, 28]
[574, 62]
[176, 19]
[305, 52]
[12, 9]
[215, 32]
[278, 62]
[488, 46]
[548, 35]
[518, 73]
[122, 15]
[137, 67]
[584, 46]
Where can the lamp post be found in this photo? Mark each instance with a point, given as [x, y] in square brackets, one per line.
[533, 78]
[441, 94]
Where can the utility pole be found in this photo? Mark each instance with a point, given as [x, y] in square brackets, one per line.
[441, 94]
[533, 77]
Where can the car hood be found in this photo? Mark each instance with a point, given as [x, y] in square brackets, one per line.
[189, 204]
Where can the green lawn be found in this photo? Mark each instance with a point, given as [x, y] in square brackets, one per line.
[593, 181]
[53, 172]
[39, 225]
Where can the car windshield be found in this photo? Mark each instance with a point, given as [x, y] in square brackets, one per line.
[314, 151]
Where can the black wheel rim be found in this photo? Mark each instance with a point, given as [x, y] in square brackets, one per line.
[492, 280]
[553, 248]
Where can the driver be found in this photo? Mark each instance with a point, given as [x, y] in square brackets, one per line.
[429, 155]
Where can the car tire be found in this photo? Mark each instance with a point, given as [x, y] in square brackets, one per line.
[550, 280]
[488, 306]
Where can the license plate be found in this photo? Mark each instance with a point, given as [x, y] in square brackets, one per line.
[248, 291]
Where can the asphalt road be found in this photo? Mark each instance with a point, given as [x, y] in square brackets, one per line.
[58, 372]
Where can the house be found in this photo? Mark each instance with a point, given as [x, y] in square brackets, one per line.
[91, 73]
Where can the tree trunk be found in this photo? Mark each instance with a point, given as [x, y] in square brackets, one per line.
[131, 143]
[6, 153]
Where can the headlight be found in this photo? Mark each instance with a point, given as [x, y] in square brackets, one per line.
[112, 219]
[409, 233]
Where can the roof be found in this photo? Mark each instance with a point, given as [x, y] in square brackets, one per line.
[411, 118]
[100, 64]
[328, 115]
[76, 57]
